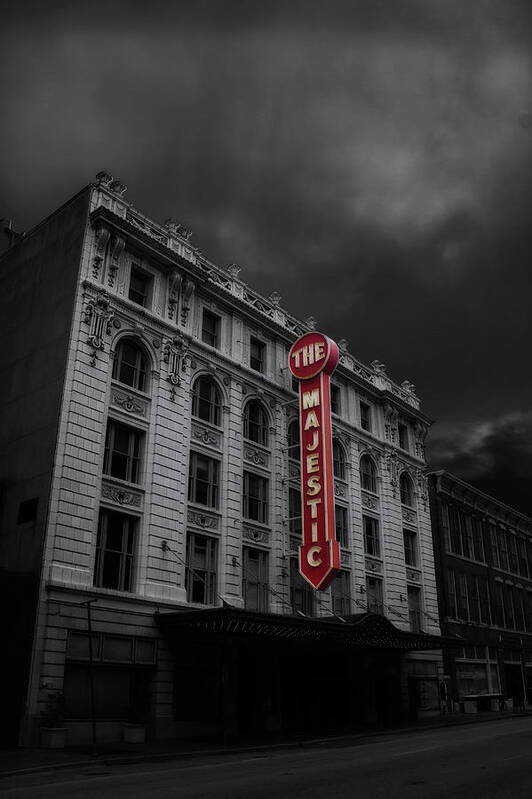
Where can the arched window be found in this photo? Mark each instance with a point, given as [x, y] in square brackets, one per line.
[256, 423]
[406, 489]
[206, 402]
[294, 451]
[338, 460]
[368, 474]
[130, 365]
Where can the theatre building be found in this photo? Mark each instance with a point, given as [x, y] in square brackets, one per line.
[150, 483]
[483, 554]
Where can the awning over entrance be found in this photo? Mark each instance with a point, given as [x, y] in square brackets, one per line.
[359, 630]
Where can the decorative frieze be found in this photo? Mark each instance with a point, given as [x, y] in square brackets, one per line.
[205, 435]
[340, 489]
[392, 467]
[256, 456]
[117, 247]
[294, 542]
[413, 576]
[255, 534]
[121, 496]
[175, 353]
[370, 501]
[188, 291]
[98, 315]
[345, 557]
[174, 284]
[101, 237]
[409, 515]
[204, 520]
[373, 565]
[129, 402]
[294, 470]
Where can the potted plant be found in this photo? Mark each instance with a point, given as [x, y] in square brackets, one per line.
[53, 732]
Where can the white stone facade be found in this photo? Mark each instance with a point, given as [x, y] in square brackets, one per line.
[181, 284]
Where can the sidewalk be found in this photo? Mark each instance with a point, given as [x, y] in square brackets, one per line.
[26, 761]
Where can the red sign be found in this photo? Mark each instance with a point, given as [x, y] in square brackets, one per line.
[312, 359]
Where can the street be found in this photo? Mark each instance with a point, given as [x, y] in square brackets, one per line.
[492, 759]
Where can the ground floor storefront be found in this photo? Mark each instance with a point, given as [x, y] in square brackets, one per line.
[107, 668]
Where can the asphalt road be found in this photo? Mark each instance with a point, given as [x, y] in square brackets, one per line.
[490, 760]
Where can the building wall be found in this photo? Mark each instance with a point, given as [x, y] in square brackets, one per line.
[483, 551]
[39, 278]
[119, 242]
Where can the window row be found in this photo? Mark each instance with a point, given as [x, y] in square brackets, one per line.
[472, 537]
[470, 598]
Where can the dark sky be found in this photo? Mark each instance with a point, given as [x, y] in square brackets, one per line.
[369, 160]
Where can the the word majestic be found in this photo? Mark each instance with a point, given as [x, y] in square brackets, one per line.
[312, 360]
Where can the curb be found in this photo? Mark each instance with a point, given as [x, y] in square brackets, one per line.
[153, 757]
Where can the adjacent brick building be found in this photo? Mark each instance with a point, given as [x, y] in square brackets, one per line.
[483, 553]
[150, 492]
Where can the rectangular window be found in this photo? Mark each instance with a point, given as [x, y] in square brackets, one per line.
[255, 579]
[294, 511]
[203, 480]
[513, 558]
[255, 498]
[485, 612]
[463, 605]
[210, 329]
[478, 540]
[502, 542]
[467, 535]
[500, 614]
[200, 573]
[474, 598]
[414, 609]
[301, 594]
[454, 530]
[523, 561]
[365, 416]
[402, 430]
[410, 545]
[374, 595]
[27, 510]
[340, 520]
[371, 536]
[122, 452]
[115, 551]
[452, 609]
[335, 399]
[341, 594]
[257, 352]
[493, 546]
[140, 287]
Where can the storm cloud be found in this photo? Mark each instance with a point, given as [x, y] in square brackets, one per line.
[371, 161]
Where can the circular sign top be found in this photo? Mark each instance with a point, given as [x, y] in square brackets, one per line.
[311, 354]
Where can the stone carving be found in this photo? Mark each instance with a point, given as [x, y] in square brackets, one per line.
[253, 534]
[420, 433]
[233, 271]
[409, 516]
[205, 435]
[392, 466]
[104, 178]
[128, 402]
[121, 496]
[117, 247]
[295, 541]
[413, 576]
[378, 367]
[310, 323]
[275, 299]
[203, 520]
[102, 237]
[118, 187]
[188, 291]
[176, 229]
[98, 315]
[340, 490]
[256, 456]
[369, 501]
[391, 416]
[422, 487]
[294, 470]
[373, 565]
[174, 284]
[175, 353]
[345, 557]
